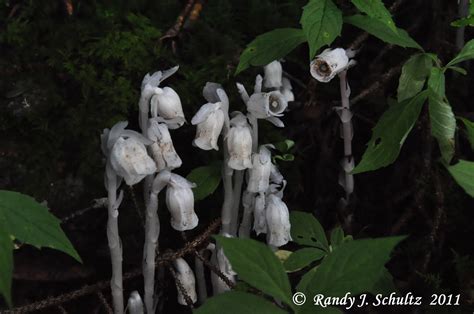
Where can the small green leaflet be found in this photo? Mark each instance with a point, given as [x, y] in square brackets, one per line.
[207, 180]
[270, 46]
[237, 302]
[390, 133]
[414, 74]
[6, 266]
[376, 9]
[306, 230]
[322, 23]
[382, 32]
[465, 54]
[303, 258]
[463, 174]
[466, 21]
[469, 130]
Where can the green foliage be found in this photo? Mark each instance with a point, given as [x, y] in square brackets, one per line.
[24, 219]
[414, 74]
[382, 32]
[207, 179]
[270, 46]
[468, 20]
[463, 174]
[257, 265]
[390, 133]
[469, 130]
[376, 9]
[322, 23]
[237, 302]
[306, 230]
[337, 237]
[466, 53]
[302, 258]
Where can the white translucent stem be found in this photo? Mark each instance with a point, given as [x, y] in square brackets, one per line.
[227, 172]
[245, 225]
[152, 231]
[200, 278]
[237, 193]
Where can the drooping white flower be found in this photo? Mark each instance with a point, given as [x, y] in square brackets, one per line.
[260, 172]
[135, 303]
[162, 149]
[180, 203]
[209, 120]
[167, 104]
[287, 90]
[259, 214]
[330, 63]
[278, 221]
[186, 277]
[265, 105]
[219, 260]
[273, 75]
[239, 143]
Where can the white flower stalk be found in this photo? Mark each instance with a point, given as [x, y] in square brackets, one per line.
[287, 90]
[239, 143]
[266, 105]
[209, 120]
[259, 178]
[180, 203]
[167, 104]
[162, 149]
[248, 202]
[185, 276]
[330, 63]
[259, 215]
[278, 221]
[135, 304]
[273, 75]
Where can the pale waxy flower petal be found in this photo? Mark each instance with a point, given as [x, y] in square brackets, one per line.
[167, 105]
[278, 221]
[287, 90]
[135, 303]
[260, 172]
[265, 105]
[219, 260]
[273, 75]
[328, 64]
[186, 277]
[180, 203]
[239, 143]
[259, 215]
[162, 149]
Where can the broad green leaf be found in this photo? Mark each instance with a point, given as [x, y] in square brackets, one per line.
[270, 46]
[390, 133]
[437, 82]
[379, 30]
[465, 54]
[207, 180]
[356, 266]
[30, 222]
[306, 230]
[337, 237]
[463, 174]
[303, 258]
[414, 74]
[322, 23]
[377, 10]
[284, 146]
[469, 130]
[236, 302]
[6, 266]
[257, 265]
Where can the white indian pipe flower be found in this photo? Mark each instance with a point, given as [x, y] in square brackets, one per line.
[259, 177]
[330, 63]
[221, 261]
[272, 75]
[275, 175]
[186, 277]
[135, 303]
[162, 149]
[180, 203]
[265, 105]
[287, 90]
[259, 214]
[167, 104]
[239, 143]
[209, 120]
[278, 221]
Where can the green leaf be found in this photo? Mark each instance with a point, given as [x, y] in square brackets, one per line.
[376, 9]
[207, 180]
[303, 258]
[236, 302]
[458, 69]
[337, 237]
[463, 174]
[414, 74]
[469, 130]
[270, 46]
[306, 230]
[379, 30]
[466, 21]
[6, 266]
[322, 23]
[284, 157]
[284, 146]
[257, 265]
[437, 82]
[30, 222]
[390, 133]
[465, 54]
[354, 267]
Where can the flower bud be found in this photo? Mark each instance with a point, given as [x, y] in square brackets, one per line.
[180, 203]
[167, 105]
[328, 64]
[162, 149]
[135, 303]
[273, 74]
[278, 221]
[260, 172]
[185, 276]
[265, 105]
[209, 120]
[129, 159]
[239, 143]
[259, 215]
